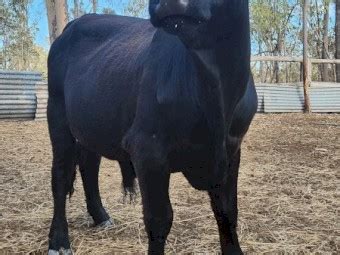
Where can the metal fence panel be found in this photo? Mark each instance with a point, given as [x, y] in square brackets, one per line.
[280, 98]
[18, 94]
[24, 95]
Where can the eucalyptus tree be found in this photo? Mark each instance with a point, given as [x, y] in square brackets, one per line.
[337, 34]
[17, 49]
[136, 8]
[57, 17]
[275, 28]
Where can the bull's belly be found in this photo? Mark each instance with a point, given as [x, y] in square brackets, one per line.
[106, 146]
[98, 123]
[100, 135]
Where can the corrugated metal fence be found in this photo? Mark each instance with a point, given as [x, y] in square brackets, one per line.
[23, 95]
[276, 98]
[18, 94]
[42, 97]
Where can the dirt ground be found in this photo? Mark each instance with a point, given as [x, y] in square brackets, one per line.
[289, 197]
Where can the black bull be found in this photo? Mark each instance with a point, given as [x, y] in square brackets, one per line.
[173, 94]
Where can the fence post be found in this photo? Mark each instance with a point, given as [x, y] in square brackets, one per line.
[307, 67]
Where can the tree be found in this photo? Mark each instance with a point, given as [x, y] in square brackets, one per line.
[94, 6]
[136, 8]
[320, 38]
[274, 33]
[337, 35]
[39, 63]
[276, 30]
[108, 10]
[325, 44]
[76, 9]
[57, 17]
[17, 49]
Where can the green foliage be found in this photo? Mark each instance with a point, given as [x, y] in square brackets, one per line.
[276, 29]
[274, 24]
[40, 62]
[107, 10]
[17, 49]
[136, 8]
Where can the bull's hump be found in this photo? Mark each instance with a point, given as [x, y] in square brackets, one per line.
[104, 26]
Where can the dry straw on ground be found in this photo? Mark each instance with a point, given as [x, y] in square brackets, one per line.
[288, 195]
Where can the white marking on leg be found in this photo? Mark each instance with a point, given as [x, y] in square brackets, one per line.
[62, 251]
[106, 224]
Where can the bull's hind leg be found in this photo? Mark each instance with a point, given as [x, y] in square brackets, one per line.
[89, 168]
[224, 205]
[129, 177]
[63, 173]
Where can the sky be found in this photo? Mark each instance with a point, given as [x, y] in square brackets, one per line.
[38, 16]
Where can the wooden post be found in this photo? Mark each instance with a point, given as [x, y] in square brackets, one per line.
[57, 17]
[306, 62]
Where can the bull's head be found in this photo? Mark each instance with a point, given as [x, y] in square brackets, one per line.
[198, 23]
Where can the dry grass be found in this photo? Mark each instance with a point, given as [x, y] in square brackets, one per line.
[288, 196]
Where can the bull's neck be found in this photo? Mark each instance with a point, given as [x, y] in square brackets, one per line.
[227, 64]
[229, 57]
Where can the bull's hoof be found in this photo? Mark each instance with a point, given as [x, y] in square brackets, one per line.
[233, 250]
[106, 224]
[62, 251]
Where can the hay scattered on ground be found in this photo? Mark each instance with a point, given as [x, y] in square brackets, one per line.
[289, 196]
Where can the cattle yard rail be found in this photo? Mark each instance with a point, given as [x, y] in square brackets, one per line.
[23, 95]
[293, 59]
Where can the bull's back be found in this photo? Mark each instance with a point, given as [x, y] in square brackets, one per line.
[108, 43]
[94, 66]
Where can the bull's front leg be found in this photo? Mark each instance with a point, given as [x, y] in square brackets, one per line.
[149, 159]
[224, 204]
[157, 209]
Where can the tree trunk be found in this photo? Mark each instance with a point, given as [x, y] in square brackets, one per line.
[76, 10]
[278, 52]
[318, 30]
[57, 17]
[325, 48]
[337, 35]
[94, 6]
[261, 63]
